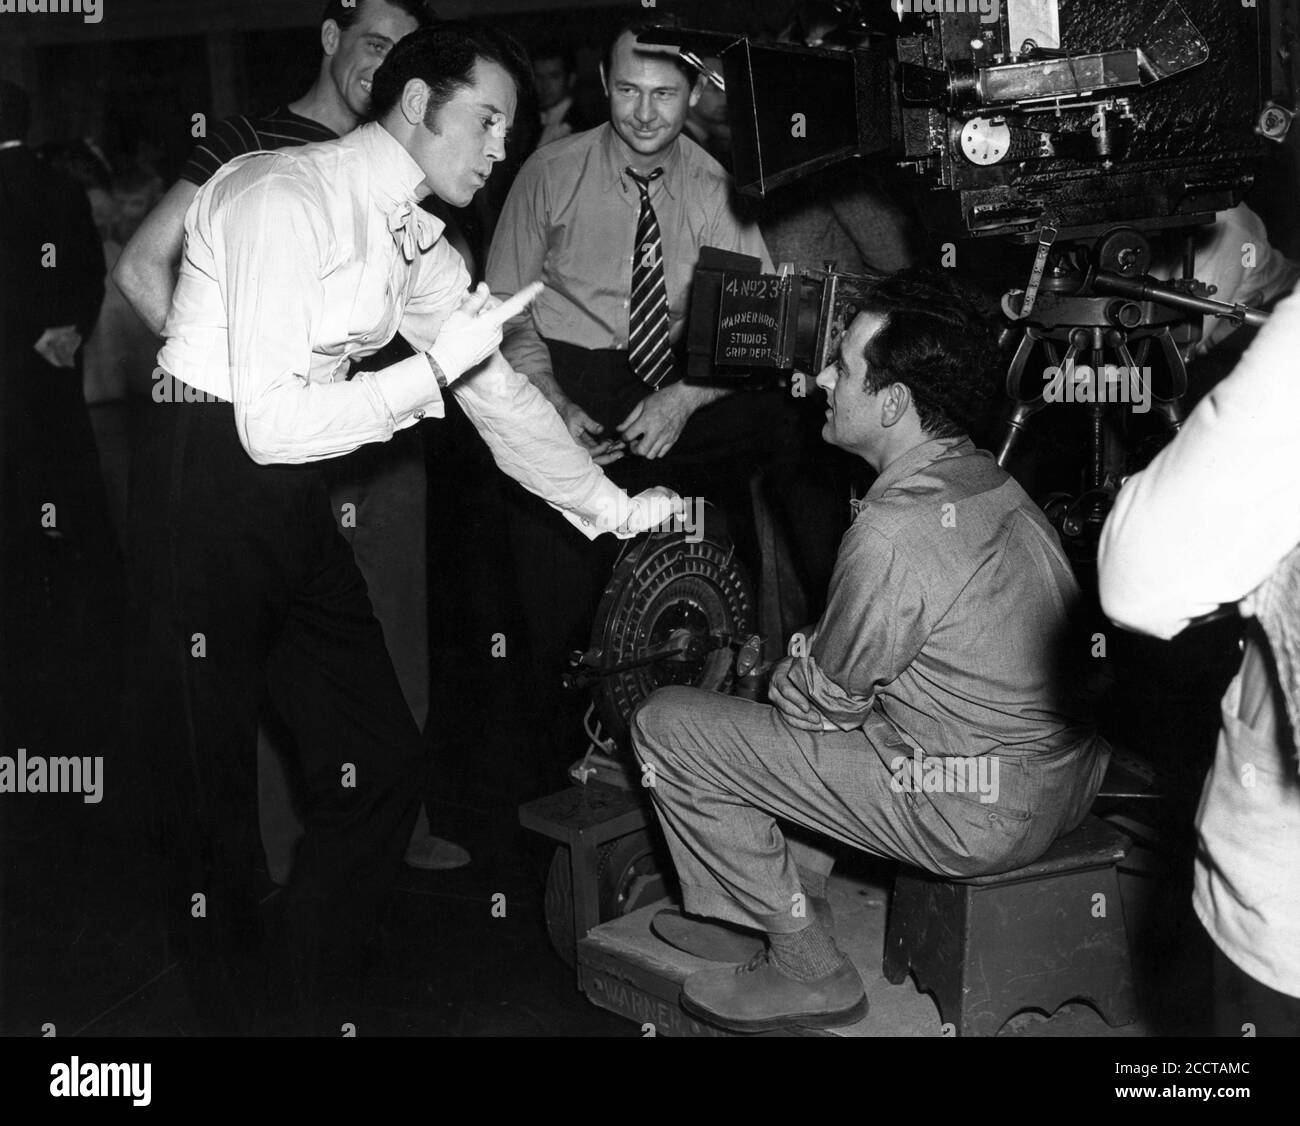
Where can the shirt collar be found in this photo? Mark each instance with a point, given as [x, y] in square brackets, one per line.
[394, 175]
[615, 158]
[916, 459]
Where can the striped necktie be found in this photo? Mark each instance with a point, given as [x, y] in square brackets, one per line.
[649, 353]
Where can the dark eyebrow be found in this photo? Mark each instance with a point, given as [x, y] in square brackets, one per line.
[653, 89]
[375, 36]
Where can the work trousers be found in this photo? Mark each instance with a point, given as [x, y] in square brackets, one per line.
[721, 772]
[244, 587]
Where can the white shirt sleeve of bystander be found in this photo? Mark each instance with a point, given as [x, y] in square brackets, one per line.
[529, 441]
[1217, 510]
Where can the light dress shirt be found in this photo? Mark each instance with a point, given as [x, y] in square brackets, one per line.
[571, 220]
[298, 263]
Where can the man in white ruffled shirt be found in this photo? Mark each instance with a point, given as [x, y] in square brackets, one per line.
[296, 264]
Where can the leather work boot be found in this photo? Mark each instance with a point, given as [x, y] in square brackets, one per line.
[718, 941]
[756, 997]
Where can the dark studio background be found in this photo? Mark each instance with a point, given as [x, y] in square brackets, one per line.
[81, 939]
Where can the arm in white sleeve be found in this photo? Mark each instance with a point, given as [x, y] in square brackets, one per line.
[1219, 508]
[441, 284]
[530, 443]
[524, 433]
[271, 246]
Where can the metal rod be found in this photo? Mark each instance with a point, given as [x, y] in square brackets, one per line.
[1150, 291]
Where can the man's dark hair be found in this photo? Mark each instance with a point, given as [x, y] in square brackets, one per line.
[555, 50]
[443, 56]
[636, 27]
[345, 13]
[938, 340]
[15, 112]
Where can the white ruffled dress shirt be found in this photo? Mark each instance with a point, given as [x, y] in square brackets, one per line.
[295, 265]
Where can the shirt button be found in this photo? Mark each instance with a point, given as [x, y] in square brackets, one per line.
[419, 416]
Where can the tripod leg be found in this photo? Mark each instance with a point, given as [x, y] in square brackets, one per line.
[1017, 425]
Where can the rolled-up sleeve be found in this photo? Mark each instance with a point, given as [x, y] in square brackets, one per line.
[1219, 508]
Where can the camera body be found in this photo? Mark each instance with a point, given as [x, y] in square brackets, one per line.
[1028, 120]
[748, 325]
[1075, 114]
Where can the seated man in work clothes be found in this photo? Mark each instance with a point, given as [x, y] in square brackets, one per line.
[933, 714]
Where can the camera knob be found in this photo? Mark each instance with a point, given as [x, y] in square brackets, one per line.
[985, 140]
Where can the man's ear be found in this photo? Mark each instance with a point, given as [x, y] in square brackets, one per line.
[330, 34]
[414, 102]
[894, 404]
[697, 92]
[604, 83]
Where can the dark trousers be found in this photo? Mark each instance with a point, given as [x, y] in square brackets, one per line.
[560, 574]
[60, 567]
[385, 484]
[244, 587]
[1240, 1000]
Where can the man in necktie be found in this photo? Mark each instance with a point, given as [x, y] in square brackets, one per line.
[613, 220]
[649, 352]
[297, 265]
